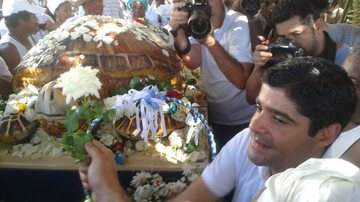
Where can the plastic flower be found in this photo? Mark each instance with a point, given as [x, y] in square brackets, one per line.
[78, 82]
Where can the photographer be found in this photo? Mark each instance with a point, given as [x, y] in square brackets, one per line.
[224, 56]
[300, 22]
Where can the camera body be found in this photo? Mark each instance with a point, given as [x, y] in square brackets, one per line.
[198, 24]
[283, 49]
[288, 50]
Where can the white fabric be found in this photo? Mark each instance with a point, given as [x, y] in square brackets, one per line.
[54, 4]
[343, 143]
[344, 33]
[113, 8]
[14, 6]
[3, 28]
[22, 50]
[227, 103]
[159, 16]
[4, 70]
[233, 169]
[42, 18]
[315, 180]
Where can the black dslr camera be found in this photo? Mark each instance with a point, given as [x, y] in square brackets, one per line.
[283, 49]
[198, 24]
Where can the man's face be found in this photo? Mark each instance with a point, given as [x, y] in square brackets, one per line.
[217, 9]
[64, 12]
[279, 133]
[305, 36]
[32, 24]
[93, 7]
[351, 66]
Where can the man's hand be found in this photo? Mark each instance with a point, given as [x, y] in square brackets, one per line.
[99, 175]
[178, 17]
[261, 54]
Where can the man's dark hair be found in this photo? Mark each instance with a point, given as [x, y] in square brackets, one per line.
[11, 21]
[321, 90]
[287, 9]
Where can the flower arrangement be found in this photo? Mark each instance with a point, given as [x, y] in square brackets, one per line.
[146, 186]
[74, 139]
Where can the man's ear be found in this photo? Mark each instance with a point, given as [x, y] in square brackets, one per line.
[327, 135]
[319, 24]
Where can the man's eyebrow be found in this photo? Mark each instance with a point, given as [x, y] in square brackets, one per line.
[275, 111]
[283, 114]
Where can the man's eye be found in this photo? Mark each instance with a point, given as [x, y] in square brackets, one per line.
[280, 119]
[258, 108]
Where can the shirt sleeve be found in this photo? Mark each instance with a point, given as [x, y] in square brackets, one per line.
[220, 175]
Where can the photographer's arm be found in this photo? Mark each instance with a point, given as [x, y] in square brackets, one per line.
[253, 84]
[191, 54]
[235, 71]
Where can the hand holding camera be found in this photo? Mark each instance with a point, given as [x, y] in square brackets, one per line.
[278, 51]
[197, 22]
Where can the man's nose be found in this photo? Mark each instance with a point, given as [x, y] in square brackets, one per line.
[259, 122]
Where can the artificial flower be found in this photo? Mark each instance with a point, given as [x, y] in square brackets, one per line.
[140, 179]
[73, 89]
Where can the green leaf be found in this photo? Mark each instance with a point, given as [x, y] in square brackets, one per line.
[191, 147]
[109, 115]
[68, 139]
[122, 90]
[88, 138]
[71, 122]
[83, 113]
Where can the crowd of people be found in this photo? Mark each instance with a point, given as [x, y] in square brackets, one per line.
[282, 87]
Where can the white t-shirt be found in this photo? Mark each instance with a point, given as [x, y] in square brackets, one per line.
[233, 169]
[343, 143]
[227, 103]
[22, 50]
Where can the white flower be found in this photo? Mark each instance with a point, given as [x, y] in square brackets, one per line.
[176, 138]
[78, 82]
[109, 102]
[107, 139]
[140, 179]
[143, 193]
[176, 187]
[87, 37]
[141, 146]
[165, 52]
[60, 36]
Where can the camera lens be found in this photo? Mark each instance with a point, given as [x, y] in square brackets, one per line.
[199, 25]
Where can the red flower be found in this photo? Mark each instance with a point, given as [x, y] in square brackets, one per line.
[119, 146]
[173, 94]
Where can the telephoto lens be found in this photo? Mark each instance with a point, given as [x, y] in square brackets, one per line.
[199, 24]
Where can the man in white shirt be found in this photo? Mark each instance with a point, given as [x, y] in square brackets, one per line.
[21, 22]
[347, 145]
[297, 118]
